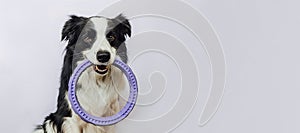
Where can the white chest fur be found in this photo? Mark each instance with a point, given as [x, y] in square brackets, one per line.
[98, 95]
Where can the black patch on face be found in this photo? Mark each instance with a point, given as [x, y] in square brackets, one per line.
[85, 41]
[118, 28]
[86, 38]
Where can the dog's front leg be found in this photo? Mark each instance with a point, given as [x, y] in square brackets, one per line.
[71, 126]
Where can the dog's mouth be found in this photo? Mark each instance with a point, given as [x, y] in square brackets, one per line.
[101, 69]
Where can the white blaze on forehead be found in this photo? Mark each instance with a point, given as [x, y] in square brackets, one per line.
[100, 25]
[100, 44]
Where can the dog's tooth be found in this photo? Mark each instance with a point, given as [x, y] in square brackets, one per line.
[97, 68]
[103, 70]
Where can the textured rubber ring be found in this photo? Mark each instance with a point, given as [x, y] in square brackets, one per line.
[110, 120]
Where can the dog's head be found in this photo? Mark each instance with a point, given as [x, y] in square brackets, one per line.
[97, 39]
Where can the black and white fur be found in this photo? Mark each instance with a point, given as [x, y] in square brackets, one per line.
[97, 87]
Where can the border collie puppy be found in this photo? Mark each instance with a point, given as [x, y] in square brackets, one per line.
[99, 40]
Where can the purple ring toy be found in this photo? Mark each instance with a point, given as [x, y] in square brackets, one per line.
[103, 121]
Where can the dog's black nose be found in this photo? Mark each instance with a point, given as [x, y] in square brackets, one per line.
[103, 56]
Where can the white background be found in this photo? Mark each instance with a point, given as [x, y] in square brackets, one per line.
[260, 39]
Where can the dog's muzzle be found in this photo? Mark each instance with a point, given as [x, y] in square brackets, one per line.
[103, 57]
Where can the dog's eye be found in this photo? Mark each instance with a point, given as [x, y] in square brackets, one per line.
[88, 40]
[111, 38]
[89, 36]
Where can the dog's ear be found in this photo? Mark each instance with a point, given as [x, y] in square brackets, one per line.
[123, 25]
[72, 28]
